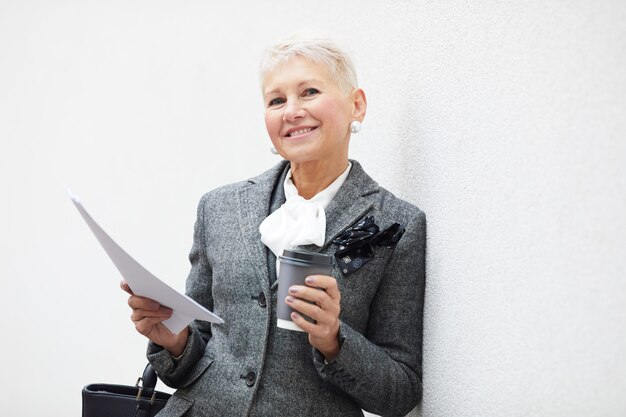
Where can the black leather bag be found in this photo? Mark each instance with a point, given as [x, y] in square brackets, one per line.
[108, 400]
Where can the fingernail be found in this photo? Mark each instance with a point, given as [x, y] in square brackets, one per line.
[295, 316]
[154, 305]
[293, 290]
[309, 280]
[290, 299]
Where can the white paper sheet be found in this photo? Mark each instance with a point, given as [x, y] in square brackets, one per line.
[144, 284]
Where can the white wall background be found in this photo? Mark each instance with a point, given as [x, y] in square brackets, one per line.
[504, 121]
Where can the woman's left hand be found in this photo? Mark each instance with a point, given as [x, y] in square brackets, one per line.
[324, 333]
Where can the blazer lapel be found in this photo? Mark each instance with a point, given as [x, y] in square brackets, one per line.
[254, 205]
[353, 200]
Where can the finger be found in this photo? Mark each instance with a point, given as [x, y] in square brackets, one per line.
[161, 314]
[143, 303]
[305, 325]
[316, 296]
[313, 311]
[124, 285]
[147, 325]
[328, 284]
[315, 330]
[303, 307]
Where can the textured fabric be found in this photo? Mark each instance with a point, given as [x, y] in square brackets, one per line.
[248, 366]
[299, 221]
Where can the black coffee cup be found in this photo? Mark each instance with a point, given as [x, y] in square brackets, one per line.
[295, 266]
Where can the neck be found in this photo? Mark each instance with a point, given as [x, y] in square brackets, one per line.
[312, 177]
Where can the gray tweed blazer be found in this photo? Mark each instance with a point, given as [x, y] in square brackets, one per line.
[249, 367]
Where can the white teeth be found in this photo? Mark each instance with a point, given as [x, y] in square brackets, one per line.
[301, 131]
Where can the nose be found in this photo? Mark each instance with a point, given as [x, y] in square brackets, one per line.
[293, 111]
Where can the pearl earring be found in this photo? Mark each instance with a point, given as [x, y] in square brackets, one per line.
[273, 150]
[355, 126]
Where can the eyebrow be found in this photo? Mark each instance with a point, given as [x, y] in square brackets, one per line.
[300, 84]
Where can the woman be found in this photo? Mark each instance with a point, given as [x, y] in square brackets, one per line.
[364, 349]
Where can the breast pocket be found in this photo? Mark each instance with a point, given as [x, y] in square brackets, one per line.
[358, 288]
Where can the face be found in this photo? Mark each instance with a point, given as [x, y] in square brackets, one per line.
[307, 116]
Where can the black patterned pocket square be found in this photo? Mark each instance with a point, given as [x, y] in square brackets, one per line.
[358, 244]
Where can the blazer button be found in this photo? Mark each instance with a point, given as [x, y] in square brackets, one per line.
[250, 378]
[262, 300]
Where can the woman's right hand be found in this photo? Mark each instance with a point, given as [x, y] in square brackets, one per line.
[148, 316]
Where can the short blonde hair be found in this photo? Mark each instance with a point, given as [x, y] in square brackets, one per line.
[316, 48]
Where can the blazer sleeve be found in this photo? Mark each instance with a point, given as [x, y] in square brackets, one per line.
[382, 369]
[179, 372]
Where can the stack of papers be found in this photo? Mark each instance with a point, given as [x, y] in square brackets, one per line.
[145, 284]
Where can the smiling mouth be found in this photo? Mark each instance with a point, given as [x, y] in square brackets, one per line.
[300, 131]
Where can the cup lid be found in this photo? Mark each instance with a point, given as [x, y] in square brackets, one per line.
[306, 256]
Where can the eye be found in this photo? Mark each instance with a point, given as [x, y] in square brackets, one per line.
[310, 92]
[276, 101]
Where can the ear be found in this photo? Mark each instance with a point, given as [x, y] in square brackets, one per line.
[360, 104]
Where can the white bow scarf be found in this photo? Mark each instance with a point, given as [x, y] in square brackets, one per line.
[299, 221]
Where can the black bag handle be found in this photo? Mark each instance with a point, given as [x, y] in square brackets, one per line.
[148, 380]
[146, 392]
